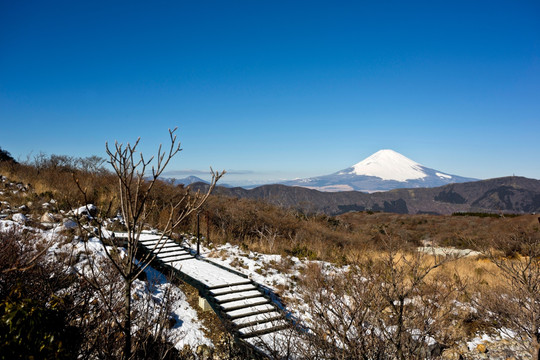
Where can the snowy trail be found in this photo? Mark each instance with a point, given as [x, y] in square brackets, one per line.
[244, 306]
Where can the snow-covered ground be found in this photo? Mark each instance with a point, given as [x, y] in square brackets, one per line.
[147, 295]
[448, 251]
[278, 273]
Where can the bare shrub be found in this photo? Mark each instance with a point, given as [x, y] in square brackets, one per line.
[389, 307]
[23, 266]
[35, 321]
[514, 303]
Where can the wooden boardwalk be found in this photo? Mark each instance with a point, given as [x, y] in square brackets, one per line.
[248, 310]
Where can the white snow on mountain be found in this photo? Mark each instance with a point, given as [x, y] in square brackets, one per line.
[443, 176]
[389, 165]
[385, 170]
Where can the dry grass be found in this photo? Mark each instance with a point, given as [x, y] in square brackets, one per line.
[261, 227]
[264, 228]
[475, 270]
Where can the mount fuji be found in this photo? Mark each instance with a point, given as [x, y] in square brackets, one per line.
[385, 170]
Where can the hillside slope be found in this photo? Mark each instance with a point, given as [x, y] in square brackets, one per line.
[507, 194]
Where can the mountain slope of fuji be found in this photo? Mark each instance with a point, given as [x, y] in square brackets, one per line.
[385, 170]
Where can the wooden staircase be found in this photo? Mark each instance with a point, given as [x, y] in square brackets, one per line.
[247, 309]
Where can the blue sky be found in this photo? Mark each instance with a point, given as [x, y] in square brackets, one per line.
[276, 89]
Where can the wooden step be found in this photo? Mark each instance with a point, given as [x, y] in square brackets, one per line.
[244, 303]
[262, 329]
[173, 254]
[247, 281]
[173, 260]
[152, 243]
[232, 289]
[170, 250]
[164, 249]
[257, 319]
[156, 238]
[221, 299]
[253, 310]
[168, 244]
[161, 246]
[152, 238]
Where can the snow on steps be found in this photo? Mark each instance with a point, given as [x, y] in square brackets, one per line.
[263, 328]
[237, 296]
[242, 304]
[257, 318]
[232, 289]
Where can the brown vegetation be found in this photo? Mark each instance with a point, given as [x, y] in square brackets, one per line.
[257, 225]
[514, 301]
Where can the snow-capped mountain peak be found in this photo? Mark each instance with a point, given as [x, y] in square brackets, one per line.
[382, 171]
[389, 165]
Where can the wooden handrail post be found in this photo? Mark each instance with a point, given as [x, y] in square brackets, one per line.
[198, 235]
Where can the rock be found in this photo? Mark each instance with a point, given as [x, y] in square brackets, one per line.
[88, 210]
[20, 218]
[47, 218]
[69, 224]
[21, 187]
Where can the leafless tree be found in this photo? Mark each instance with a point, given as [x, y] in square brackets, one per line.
[137, 177]
[92, 164]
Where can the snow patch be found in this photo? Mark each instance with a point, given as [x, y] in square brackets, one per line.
[332, 188]
[443, 176]
[84, 210]
[20, 218]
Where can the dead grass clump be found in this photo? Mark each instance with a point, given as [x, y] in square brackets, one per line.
[238, 262]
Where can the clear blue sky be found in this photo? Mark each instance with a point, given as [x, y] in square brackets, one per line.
[277, 89]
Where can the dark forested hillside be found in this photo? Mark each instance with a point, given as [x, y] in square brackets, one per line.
[508, 195]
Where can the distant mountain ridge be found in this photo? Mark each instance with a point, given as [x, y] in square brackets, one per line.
[501, 195]
[385, 170]
[194, 179]
[189, 180]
